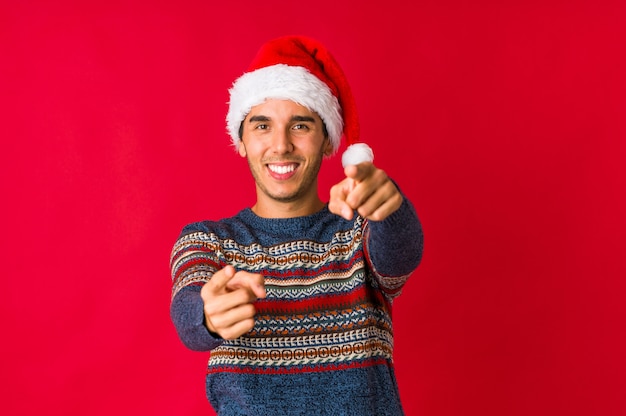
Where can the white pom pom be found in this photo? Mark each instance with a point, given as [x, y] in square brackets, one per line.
[357, 153]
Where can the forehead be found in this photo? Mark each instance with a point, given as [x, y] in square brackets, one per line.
[275, 108]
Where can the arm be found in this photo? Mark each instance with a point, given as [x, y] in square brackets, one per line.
[186, 312]
[394, 247]
[210, 301]
[394, 239]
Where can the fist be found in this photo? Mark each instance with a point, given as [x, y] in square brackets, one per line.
[229, 298]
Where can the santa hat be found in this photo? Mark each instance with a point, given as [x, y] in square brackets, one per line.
[302, 70]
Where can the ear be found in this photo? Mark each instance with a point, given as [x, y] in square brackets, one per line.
[328, 148]
[241, 148]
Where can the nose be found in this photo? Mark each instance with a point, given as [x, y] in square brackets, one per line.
[281, 141]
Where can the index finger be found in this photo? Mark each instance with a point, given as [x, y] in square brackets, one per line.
[360, 171]
[253, 282]
[220, 278]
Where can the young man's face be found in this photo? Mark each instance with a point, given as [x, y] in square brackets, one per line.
[284, 143]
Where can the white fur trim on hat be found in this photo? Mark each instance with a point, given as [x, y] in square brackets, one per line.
[283, 82]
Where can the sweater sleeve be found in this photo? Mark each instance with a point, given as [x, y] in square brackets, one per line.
[193, 262]
[394, 248]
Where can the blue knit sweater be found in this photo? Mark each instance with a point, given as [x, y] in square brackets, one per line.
[322, 343]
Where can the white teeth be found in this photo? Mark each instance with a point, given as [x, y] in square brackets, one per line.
[282, 169]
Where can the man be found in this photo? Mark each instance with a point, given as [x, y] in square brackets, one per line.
[293, 296]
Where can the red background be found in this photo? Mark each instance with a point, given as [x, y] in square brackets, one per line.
[504, 122]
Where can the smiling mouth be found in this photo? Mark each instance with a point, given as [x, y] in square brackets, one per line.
[282, 169]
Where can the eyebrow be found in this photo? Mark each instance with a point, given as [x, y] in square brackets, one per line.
[303, 118]
[258, 118]
[254, 119]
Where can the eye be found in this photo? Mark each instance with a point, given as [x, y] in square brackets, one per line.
[301, 126]
[261, 126]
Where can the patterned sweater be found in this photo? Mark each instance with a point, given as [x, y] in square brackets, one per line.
[322, 343]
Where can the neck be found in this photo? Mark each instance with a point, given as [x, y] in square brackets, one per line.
[277, 209]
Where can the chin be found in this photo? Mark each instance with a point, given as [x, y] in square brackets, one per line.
[285, 196]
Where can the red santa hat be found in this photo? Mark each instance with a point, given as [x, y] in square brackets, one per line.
[302, 70]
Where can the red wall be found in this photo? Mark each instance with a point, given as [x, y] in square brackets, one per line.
[504, 123]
